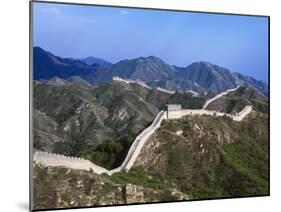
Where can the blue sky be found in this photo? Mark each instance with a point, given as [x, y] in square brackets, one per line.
[239, 43]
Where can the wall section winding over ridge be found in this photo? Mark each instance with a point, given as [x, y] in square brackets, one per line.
[218, 96]
[50, 159]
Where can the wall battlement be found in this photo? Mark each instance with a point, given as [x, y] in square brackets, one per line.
[54, 155]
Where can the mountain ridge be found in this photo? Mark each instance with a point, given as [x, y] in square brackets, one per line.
[202, 76]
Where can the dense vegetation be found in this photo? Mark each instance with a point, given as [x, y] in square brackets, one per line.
[139, 176]
[109, 154]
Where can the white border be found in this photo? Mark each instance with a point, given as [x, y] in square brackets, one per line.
[14, 109]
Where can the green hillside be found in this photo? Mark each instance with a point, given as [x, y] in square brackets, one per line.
[211, 157]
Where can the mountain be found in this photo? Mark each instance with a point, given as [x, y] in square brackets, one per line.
[250, 81]
[208, 76]
[96, 113]
[95, 61]
[204, 77]
[46, 66]
[142, 68]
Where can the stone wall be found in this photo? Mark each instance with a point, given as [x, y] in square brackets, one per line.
[136, 147]
[218, 96]
[129, 81]
[141, 83]
[50, 159]
[238, 117]
[174, 114]
[165, 90]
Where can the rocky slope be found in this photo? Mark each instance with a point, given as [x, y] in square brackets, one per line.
[211, 157]
[250, 81]
[208, 76]
[143, 68]
[57, 187]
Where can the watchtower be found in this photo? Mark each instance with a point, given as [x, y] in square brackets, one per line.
[174, 111]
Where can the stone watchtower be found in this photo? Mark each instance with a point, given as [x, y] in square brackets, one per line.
[173, 111]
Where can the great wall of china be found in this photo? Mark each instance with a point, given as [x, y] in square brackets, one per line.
[49, 159]
[141, 83]
[218, 96]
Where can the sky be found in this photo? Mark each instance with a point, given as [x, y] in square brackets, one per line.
[239, 43]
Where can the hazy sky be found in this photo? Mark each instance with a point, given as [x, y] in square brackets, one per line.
[239, 43]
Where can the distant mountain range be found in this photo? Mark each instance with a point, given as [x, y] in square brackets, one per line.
[199, 76]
